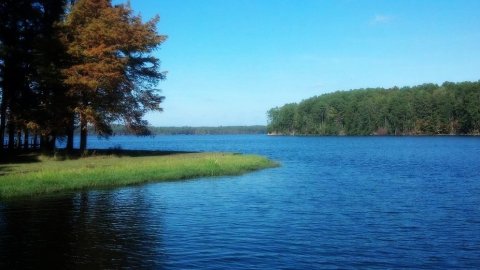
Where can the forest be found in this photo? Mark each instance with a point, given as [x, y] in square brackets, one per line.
[427, 109]
[74, 65]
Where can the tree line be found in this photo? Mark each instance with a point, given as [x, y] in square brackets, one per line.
[186, 130]
[77, 64]
[428, 109]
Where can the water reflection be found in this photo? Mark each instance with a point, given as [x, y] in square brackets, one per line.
[85, 230]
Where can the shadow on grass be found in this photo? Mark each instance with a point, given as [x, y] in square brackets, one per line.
[18, 157]
[31, 156]
[21, 157]
[62, 154]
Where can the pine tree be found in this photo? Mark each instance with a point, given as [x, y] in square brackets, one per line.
[27, 38]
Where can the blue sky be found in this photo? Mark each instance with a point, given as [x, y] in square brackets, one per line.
[229, 61]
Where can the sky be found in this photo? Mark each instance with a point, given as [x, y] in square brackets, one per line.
[230, 61]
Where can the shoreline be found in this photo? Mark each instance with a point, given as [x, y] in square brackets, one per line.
[41, 175]
[370, 135]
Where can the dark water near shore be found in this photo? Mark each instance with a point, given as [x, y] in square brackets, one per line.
[336, 202]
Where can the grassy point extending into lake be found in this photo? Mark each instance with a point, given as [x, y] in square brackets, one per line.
[35, 174]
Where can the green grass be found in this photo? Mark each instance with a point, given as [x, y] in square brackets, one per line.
[44, 174]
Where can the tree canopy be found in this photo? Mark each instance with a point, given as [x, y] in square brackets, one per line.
[450, 108]
[113, 73]
[82, 63]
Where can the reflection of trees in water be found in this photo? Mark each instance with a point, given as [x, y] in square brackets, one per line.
[88, 230]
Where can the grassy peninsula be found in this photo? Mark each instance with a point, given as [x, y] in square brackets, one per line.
[38, 174]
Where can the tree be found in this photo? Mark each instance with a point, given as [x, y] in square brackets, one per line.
[51, 110]
[16, 25]
[113, 72]
[27, 33]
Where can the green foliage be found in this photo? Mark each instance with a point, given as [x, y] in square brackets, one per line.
[49, 175]
[450, 108]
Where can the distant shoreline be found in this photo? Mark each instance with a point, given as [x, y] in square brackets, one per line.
[372, 135]
[189, 130]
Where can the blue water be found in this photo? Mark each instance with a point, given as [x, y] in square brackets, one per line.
[336, 202]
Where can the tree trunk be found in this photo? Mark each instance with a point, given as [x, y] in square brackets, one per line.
[18, 142]
[70, 134]
[3, 118]
[43, 143]
[47, 143]
[25, 139]
[34, 143]
[11, 135]
[52, 139]
[83, 133]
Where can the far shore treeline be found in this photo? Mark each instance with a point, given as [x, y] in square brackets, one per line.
[186, 130]
[76, 64]
[428, 109]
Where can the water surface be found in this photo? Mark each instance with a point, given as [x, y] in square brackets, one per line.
[336, 202]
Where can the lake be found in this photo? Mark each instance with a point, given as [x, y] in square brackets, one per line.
[336, 202]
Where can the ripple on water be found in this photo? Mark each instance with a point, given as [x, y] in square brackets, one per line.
[335, 203]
